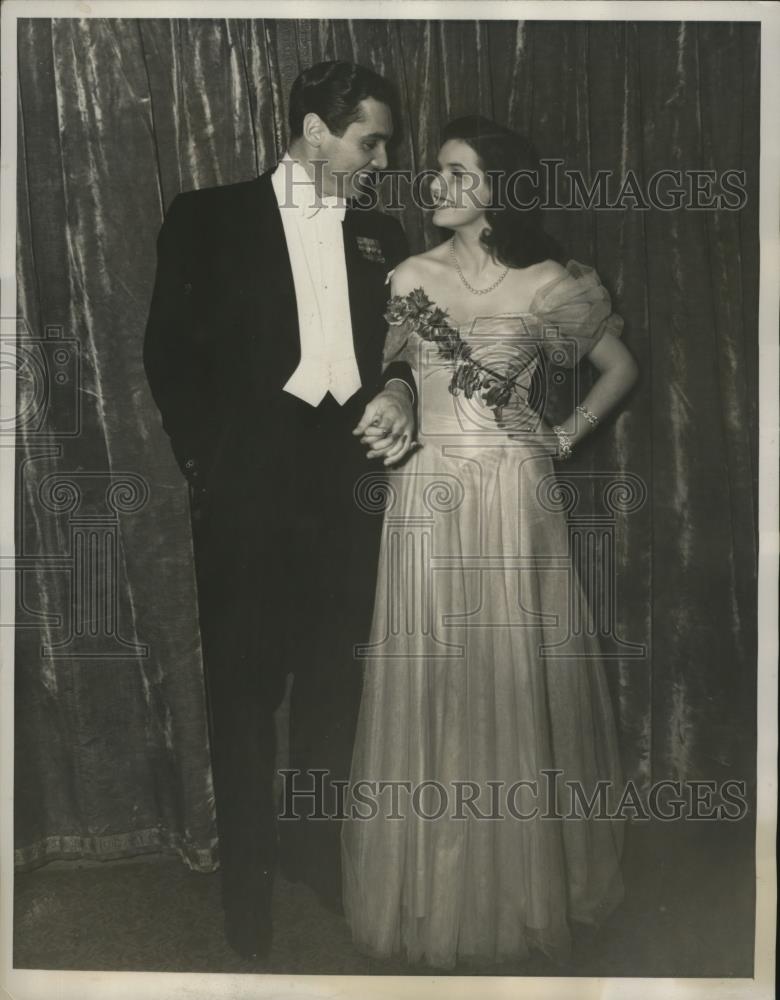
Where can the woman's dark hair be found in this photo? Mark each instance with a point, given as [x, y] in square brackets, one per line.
[515, 237]
[334, 90]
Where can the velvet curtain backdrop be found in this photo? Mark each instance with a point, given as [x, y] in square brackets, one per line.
[115, 118]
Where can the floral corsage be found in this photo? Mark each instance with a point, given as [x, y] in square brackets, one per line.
[414, 317]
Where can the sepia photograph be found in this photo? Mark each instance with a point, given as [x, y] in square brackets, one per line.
[389, 498]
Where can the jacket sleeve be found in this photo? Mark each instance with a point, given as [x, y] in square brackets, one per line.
[398, 250]
[176, 359]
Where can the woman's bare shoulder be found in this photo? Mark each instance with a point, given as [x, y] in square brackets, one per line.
[544, 272]
[416, 271]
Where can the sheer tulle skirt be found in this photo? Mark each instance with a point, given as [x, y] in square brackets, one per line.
[461, 692]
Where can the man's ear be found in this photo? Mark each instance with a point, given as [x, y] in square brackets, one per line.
[314, 129]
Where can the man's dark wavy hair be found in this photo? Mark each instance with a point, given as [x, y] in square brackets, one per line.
[516, 236]
[333, 90]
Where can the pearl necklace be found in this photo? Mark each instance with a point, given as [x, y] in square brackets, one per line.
[462, 276]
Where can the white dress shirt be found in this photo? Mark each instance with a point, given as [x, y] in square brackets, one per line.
[315, 243]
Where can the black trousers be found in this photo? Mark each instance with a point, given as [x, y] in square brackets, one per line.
[286, 580]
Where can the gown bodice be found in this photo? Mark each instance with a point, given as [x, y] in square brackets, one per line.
[566, 318]
[502, 343]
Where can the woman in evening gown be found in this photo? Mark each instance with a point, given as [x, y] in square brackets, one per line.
[464, 697]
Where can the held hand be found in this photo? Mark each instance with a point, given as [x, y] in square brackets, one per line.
[387, 425]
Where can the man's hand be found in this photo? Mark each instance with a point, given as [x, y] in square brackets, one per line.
[387, 424]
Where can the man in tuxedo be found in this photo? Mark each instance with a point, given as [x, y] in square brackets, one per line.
[263, 352]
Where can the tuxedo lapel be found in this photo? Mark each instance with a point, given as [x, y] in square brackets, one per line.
[270, 275]
[267, 288]
[366, 274]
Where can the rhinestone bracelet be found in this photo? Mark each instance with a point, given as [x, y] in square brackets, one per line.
[564, 442]
[589, 415]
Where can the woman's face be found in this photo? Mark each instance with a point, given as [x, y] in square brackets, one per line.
[461, 191]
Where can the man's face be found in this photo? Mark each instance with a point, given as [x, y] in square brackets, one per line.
[362, 149]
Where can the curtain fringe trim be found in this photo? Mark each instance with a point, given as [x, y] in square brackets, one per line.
[115, 846]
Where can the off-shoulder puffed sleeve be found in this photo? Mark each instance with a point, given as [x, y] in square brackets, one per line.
[575, 311]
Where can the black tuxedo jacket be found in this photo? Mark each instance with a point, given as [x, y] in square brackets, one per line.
[222, 336]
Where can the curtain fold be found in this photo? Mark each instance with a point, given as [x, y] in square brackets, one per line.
[116, 116]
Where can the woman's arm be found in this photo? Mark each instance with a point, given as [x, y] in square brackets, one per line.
[618, 372]
[388, 431]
